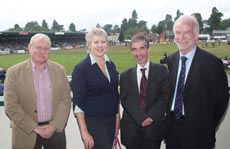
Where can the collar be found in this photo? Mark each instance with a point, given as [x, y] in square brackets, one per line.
[93, 61]
[34, 67]
[146, 66]
[190, 54]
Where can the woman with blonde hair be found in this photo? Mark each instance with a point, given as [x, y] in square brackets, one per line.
[95, 94]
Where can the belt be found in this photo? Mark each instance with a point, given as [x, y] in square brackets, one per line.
[43, 123]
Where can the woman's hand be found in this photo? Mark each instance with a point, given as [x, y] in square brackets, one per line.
[87, 140]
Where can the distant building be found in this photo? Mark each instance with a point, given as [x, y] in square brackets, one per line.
[113, 38]
[204, 37]
[221, 34]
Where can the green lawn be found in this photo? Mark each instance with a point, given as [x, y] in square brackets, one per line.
[120, 55]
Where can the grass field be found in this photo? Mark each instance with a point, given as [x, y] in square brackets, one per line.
[120, 55]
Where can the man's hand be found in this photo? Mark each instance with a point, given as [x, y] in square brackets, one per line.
[147, 122]
[45, 131]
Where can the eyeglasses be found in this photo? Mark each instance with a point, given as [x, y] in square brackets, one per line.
[41, 48]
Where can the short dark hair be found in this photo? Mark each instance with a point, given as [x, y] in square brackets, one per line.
[139, 37]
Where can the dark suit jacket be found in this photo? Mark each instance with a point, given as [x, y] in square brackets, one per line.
[205, 95]
[92, 91]
[156, 101]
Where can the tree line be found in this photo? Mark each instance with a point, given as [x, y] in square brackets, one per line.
[131, 25]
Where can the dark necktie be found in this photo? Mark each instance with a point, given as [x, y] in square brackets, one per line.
[180, 88]
[143, 87]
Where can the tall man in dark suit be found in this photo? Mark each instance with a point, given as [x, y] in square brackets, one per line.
[142, 123]
[199, 101]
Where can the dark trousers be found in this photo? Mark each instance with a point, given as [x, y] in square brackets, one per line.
[102, 130]
[141, 141]
[179, 136]
[57, 141]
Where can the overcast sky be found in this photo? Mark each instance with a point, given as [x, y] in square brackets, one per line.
[87, 13]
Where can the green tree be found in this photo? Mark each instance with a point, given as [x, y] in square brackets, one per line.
[116, 29]
[142, 24]
[154, 28]
[56, 26]
[98, 25]
[72, 27]
[45, 24]
[168, 22]
[225, 24]
[215, 20]
[178, 14]
[133, 21]
[121, 37]
[108, 28]
[161, 27]
[199, 19]
[16, 28]
[124, 25]
[33, 26]
[133, 30]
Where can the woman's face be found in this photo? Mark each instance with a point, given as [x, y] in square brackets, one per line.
[98, 46]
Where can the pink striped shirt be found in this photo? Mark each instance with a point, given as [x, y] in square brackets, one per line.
[42, 86]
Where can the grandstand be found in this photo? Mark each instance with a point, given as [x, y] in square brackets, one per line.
[16, 41]
[113, 38]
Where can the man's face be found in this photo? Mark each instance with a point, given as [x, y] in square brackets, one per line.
[185, 37]
[140, 52]
[39, 51]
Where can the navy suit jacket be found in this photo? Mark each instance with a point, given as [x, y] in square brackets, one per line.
[92, 91]
[205, 95]
[156, 101]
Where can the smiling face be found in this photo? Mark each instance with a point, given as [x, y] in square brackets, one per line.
[39, 50]
[98, 46]
[185, 36]
[140, 52]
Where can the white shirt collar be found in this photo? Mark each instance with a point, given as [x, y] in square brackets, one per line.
[93, 61]
[190, 54]
[146, 66]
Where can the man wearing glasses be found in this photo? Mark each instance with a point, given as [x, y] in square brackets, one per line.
[37, 99]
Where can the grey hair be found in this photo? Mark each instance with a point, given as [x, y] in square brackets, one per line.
[95, 32]
[188, 19]
[39, 36]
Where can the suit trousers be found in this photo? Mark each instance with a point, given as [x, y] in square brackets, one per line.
[141, 141]
[57, 141]
[102, 129]
[179, 136]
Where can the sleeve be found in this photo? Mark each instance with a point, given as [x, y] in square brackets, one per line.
[12, 104]
[79, 89]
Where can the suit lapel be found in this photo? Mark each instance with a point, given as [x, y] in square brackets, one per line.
[151, 86]
[133, 83]
[175, 63]
[53, 81]
[194, 67]
[29, 79]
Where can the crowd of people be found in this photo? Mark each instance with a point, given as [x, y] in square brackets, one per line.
[12, 46]
[181, 104]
